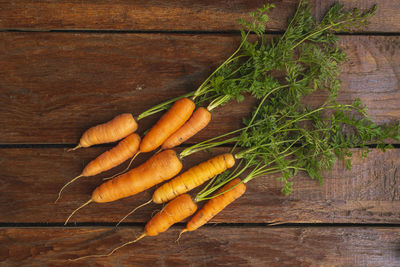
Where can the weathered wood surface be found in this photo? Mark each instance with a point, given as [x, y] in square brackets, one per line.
[56, 85]
[369, 193]
[159, 15]
[208, 246]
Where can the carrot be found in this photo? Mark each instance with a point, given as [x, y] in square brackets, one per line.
[175, 211]
[188, 180]
[199, 119]
[114, 130]
[125, 149]
[193, 177]
[226, 195]
[115, 156]
[171, 121]
[158, 168]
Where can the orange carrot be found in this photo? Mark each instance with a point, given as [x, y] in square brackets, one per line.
[171, 121]
[188, 180]
[158, 168]
[193, 177]
[114, 130]
[115, 156]
[199, 119]
[222, 198]
[175, 211]
[125, 149]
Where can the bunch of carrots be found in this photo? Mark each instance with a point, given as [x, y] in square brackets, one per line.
[249, 70]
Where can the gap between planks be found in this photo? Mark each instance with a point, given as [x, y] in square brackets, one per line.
[94, 31]
[110, 145]
[209, 225]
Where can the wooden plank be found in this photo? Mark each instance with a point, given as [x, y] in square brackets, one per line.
[208, 246]
[369, 193]
[56, 85]
[170, 15]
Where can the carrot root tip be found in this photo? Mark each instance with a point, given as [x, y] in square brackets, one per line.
[112, 251]
[83, 205]
[59, 192]
[127, 168]
[132, 211]
[180, 234]
[75, 148]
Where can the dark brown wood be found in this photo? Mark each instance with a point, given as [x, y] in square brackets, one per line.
[56, 85]
[159, 15]
[369, 193]
[208, 246]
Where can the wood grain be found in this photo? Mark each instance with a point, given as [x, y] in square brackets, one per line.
[56, 85]
[369, 193]
[208, 246]
[181, 15]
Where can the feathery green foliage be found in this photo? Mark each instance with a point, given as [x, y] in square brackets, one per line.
[250, 68]
[284, 136]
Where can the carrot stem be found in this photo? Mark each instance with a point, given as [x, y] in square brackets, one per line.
[198, 91]
[161, 107]
[206, 144]
[203, 194]
[218, 101]
[221, 193]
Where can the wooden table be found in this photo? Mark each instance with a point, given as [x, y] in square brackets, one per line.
[68, 65]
